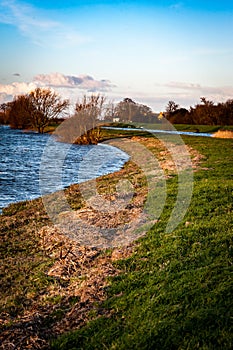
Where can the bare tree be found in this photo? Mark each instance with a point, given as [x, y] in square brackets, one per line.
[171, 107]
[110, 111]
[45, 105]
[88, 113]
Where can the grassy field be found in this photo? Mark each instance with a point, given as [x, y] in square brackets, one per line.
[173, 291]
[176, 290]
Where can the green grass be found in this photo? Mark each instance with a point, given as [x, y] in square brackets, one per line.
[175, 292]
[202, 128]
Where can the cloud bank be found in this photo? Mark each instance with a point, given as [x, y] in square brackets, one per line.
[85, 82]
[71, 86]
[7, 92]
[56, 81]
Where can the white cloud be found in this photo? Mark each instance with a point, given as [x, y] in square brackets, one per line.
[85, 82]
[9, 91]
[70, 85]
[35, 26]
[16, 88]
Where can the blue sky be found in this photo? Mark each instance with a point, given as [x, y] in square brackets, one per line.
[150, 51]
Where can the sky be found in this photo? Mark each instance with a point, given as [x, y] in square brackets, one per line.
[150, 51]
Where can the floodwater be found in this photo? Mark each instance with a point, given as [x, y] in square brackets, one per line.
[34, 164]
[156, 131]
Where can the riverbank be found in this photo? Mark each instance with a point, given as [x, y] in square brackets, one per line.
[178, 281]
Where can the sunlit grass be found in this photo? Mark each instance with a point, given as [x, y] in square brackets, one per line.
[175, 292]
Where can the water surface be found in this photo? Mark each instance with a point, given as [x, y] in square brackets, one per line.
[27, 162]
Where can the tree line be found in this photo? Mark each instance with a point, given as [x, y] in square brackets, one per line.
[41, 107]
[204, 113]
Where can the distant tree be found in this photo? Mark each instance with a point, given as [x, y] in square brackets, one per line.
[143, 113]
[206, 112]
[126, 109]
[179, 116]
[171, 107]
[209, 111]
[129, 110]
[227, 115]
[110, 111]
[4, 113]
[19, 112]
[44, 106]
[3, 107]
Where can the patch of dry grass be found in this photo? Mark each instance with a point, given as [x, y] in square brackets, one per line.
[224, 134]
